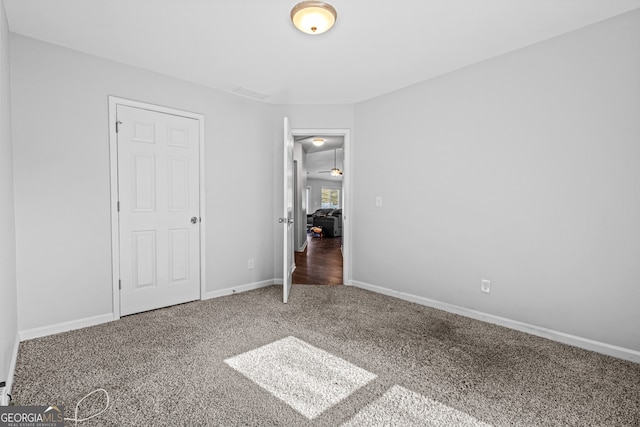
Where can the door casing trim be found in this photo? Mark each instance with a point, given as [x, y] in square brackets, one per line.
[346, 188]
[114, 101]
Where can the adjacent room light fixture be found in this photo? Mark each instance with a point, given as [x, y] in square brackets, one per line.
[313, 17]
[335, 171]
[318, 142]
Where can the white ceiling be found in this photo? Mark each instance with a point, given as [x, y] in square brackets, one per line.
[331, 142]
[375, 47]
[320, 160]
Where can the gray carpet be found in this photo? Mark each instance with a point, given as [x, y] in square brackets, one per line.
[366, 358]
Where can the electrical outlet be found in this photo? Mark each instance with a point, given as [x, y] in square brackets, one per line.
[485, 286]
[250, 264]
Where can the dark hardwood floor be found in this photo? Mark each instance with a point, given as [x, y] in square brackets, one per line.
[320, 263]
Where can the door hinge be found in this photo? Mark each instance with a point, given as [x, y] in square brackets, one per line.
[119, 284]
[118, 123]
[118, 205]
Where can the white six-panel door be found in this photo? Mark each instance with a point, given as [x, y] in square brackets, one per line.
[159, 209]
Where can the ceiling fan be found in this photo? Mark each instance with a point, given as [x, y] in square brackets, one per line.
[335, 171]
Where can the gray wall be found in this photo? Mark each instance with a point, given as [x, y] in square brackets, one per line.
[8, 286]
[316, 191]
[62, 179]
[300, 224]
[524, 170]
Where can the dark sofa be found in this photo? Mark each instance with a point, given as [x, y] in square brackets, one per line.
[319, 212]
[329, 219]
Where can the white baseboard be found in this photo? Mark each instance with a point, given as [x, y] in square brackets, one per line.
[96, 320]
[4, 396]
[585, 343]
[4, 399]
[64, 327]
[237, 289]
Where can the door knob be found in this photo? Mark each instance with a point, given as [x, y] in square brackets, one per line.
[194, 220]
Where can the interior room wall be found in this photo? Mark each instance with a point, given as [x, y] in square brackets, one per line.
[60, 117]
[300, 197]
[523, 170]
[8, 286]
[316, 186]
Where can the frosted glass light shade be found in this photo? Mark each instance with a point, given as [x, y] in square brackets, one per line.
[313, 17]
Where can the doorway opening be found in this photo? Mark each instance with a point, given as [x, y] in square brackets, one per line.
[322, 184]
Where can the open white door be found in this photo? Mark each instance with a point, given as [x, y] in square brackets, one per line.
[288, 260]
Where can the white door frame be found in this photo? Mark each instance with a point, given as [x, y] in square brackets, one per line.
[346, 188]
[113, 160]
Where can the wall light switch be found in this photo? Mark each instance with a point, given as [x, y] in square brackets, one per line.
[378, 201]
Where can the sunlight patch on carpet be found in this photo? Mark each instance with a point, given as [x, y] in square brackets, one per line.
[308, 379]
[402, 407]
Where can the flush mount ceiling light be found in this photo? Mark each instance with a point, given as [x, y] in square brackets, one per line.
[317, 142]
[313, 17]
